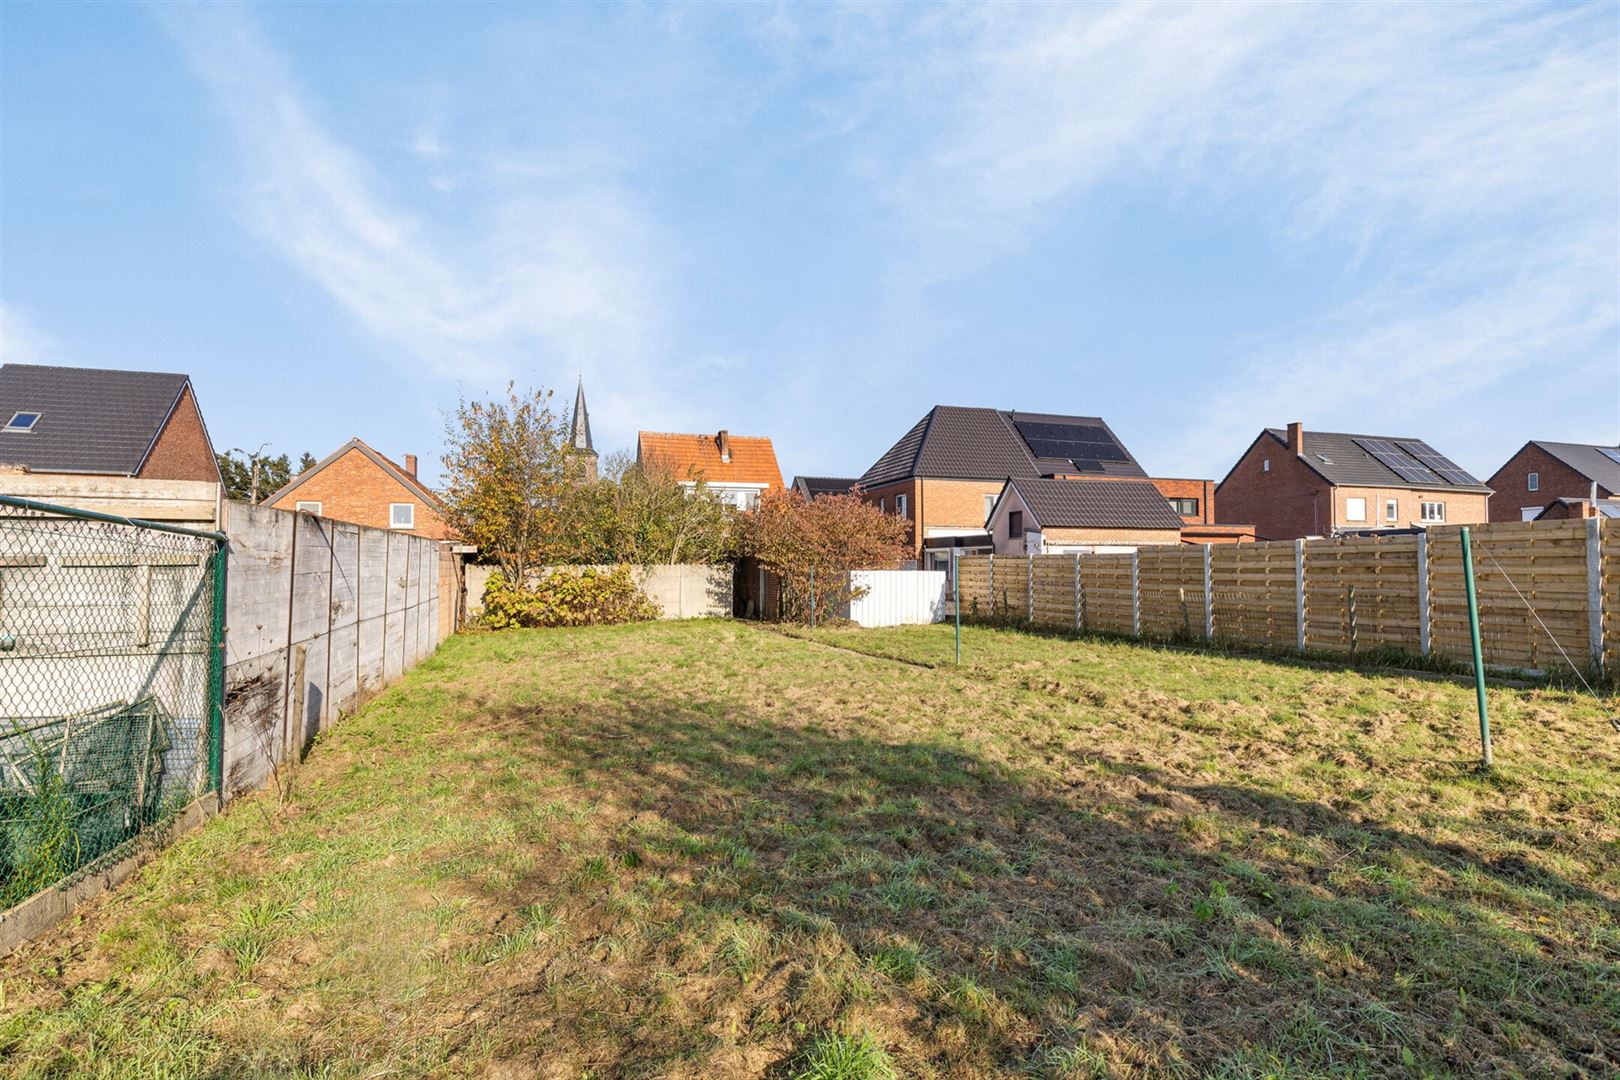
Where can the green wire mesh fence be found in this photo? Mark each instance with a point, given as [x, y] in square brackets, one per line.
[110, 637]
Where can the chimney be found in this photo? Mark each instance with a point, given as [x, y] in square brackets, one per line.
[410, 465]
[1296, 438]
[723, 441]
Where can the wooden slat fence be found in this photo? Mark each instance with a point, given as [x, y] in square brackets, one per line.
[1254, 593]
[1362, 592]
[1549, 593]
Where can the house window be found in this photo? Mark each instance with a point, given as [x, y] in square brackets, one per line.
[1392, 510]
[989, 506]
[1185, 507]
[1434, 511]
[308, 506]
[1265, 466]
[22, 421]
[1015, 524]
[1355, 509]
[1530, 513]
[883, 506]
[402, 515]
[900, 505]
[1533, 482]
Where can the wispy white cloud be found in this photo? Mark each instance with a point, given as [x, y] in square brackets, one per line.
[1466, 153]
[22, 340]
[559, 279]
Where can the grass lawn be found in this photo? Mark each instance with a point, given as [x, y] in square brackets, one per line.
[709, 849]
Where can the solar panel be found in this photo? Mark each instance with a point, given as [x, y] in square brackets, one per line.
[1399, 461]
[1434, 459]
[1610, 452]
[1086, 445]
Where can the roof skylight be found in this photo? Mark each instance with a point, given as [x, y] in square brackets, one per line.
[22, 421]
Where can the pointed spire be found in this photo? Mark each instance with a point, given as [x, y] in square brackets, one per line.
[579, 432]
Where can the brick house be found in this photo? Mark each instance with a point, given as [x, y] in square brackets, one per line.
[100, 422]
[1291, 484]
[736, 468]
[131, 443]
[1542, 472]
[1039, 516]
[357, 484]
[945, 474]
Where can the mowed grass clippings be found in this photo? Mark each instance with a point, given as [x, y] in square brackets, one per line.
[707, 849]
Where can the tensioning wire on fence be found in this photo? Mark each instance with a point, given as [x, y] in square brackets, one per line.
[110, 677]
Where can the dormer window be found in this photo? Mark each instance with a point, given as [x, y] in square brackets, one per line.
[22, 421]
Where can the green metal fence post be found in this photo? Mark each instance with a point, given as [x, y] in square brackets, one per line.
[956, 605]
[1485, 757]
[812, 596]
[216, 678]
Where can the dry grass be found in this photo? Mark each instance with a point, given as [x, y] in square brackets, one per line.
[705, 849]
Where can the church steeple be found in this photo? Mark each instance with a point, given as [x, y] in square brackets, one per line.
[579, 434]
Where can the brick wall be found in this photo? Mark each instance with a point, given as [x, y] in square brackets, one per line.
[1462, 508]
[956, 504]
[353, 488]
[182, 450]
[1288, 502]
[1129, 537]
[1202, 490]
[886, 496]
[1557, 481]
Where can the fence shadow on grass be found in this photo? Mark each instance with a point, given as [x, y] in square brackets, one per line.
[1161, 920]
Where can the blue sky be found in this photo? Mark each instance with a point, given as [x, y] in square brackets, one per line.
[814, 222]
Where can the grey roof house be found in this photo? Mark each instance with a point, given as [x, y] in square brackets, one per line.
[1293, 483]
[1542, 472]
[1038, 515]
[814, 487]
[125, 442]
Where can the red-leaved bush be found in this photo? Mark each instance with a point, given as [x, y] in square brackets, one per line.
[833, 534]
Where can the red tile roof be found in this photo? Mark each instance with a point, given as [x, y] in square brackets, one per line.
[753, 460]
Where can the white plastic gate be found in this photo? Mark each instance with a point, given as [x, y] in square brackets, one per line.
[898, 597]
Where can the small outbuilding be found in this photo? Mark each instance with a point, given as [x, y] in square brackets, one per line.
[1042, 517]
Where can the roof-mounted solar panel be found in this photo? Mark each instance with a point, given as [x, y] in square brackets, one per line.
[1399, 461]
[1427, 455]
[1071, 442]
[1610, 452]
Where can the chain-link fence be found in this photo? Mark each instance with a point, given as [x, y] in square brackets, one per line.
[110, 678]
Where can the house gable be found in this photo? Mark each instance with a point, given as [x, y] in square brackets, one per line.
[181, 450]
[357, 484]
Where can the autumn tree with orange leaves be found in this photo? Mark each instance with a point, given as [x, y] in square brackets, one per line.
[508, 474]
[833, 534]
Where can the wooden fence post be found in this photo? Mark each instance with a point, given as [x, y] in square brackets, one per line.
[1030, 587]
[1423, 592]
[1077, 592]
[991, 579]
[1299, 595]
[1136, 592]
[1350, 610]
[1209, 596]
[1594, 589]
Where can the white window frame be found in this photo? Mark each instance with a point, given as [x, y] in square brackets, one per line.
[1432, 519]
[1350, 511]
[1530, 513]
[883, 504]
[1265, 465]
[308, 506]
[900, 506]
[393, 515]
[1392, 510]
[12, 425]
[1532, 482]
